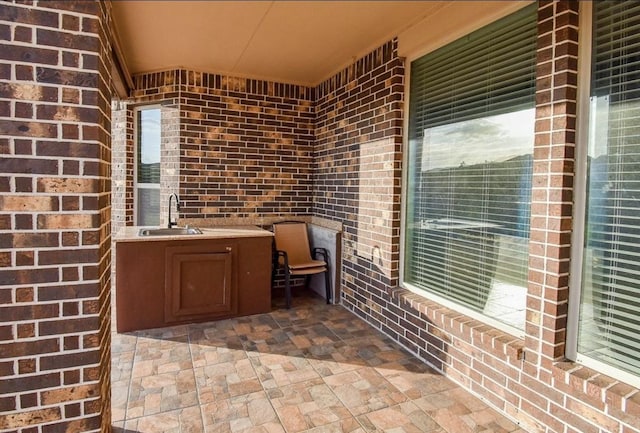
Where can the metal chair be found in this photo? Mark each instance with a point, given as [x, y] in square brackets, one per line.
[293, 253]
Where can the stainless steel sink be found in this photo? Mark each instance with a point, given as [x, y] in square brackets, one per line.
[175, 231]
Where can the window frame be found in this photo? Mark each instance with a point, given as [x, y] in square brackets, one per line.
[137, 185]
[583, 122]
[516, 332]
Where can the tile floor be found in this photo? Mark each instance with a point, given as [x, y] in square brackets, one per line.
[314, 368]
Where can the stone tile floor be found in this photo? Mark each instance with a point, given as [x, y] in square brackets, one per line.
[314, 368]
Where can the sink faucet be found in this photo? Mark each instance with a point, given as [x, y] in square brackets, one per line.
[172, 196]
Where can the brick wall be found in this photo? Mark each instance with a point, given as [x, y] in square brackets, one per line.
[245, 146]
[54, 216]
[122, 165]
[357, 172]
[551, 207]
[103, 195]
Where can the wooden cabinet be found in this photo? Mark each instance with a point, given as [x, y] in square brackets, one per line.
[168, 282]
[199, 282]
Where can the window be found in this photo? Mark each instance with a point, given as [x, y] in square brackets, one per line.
[608, 325]
[471, 133]
[147, 175]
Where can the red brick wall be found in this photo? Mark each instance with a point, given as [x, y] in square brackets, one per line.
[357, 172]
[551, 204]
[54, 216]
[246, 146]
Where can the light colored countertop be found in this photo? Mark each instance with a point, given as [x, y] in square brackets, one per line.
[131, 234]
[261, 221]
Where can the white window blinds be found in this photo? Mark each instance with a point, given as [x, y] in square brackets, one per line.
[488, 72]
[471, 129]
[609, 326]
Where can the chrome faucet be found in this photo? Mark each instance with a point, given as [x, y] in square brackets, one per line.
[172, 196]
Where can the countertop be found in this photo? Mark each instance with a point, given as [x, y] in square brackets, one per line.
[130, 234]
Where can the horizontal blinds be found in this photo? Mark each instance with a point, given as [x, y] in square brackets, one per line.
[470, 168]
[490, 71]
[616, 63]
[610, 309]
[148, 206]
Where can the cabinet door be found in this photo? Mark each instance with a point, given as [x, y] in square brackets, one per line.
[199, 285]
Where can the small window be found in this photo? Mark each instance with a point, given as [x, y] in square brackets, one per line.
[471, 135]
[147, 175]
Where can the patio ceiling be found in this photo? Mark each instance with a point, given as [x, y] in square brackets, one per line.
[300, 42]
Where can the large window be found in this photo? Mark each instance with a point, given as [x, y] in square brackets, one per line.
[471, 133]
[147, 187]
[608, 329]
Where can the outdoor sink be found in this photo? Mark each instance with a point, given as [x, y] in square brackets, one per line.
[177, 231]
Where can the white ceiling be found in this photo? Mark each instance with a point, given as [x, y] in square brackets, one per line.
[300, 42]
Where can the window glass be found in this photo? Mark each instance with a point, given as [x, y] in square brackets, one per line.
[471, 133]
[609, 321]
[148, 206]
[149, 146]
[148, 167]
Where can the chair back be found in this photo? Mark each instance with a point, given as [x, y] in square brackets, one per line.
[293, 238]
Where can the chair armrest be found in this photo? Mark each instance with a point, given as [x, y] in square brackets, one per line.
[321, 251]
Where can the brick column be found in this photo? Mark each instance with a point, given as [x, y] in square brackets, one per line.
[122, 166]
[54, 216]
[552, 195]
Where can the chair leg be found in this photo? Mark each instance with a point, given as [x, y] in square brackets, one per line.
[287, 288]
[274, 271]
[327, 285]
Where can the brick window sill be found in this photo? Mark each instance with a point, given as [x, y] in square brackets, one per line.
[601, 391]
[457, 334]
[459, 327]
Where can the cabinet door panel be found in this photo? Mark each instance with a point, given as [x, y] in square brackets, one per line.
[199, 284]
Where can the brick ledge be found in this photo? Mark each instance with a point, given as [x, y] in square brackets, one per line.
[464, 327]
[601, 392]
